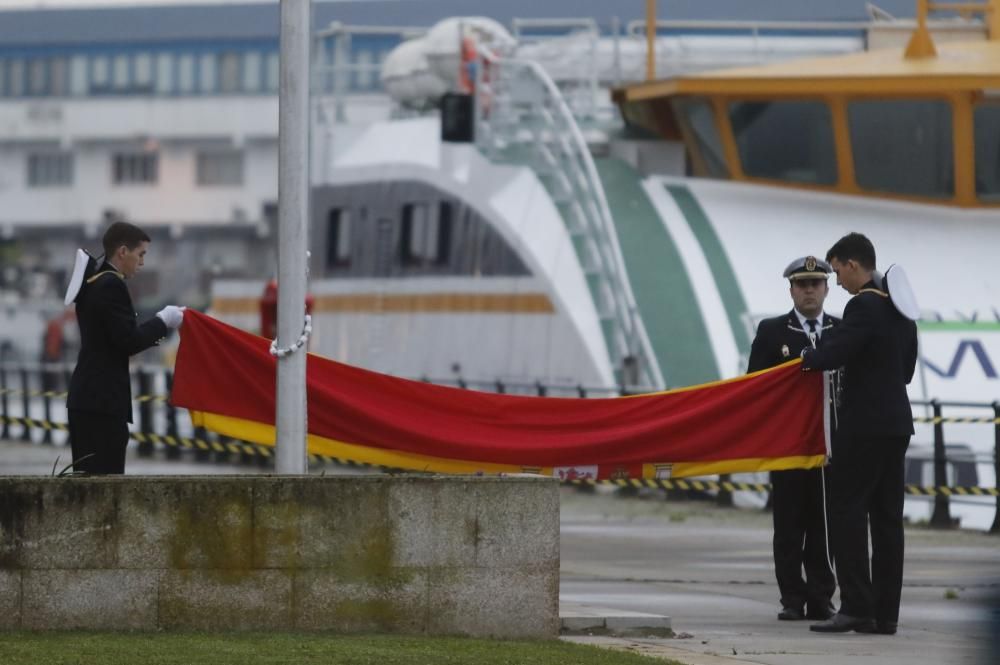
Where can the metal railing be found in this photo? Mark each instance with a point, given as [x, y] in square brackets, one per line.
[33, 397]
[521, 117]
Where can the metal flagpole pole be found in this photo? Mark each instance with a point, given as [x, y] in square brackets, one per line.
[293, 198]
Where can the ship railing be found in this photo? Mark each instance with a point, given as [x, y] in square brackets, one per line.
[522, 117]
[33, 411]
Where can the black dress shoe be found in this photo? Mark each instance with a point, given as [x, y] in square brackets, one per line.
[791, 614]
[820, 612]
[880, 628]
[844, 623]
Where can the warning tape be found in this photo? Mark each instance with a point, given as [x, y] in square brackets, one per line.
[244, 448]
[162, 399]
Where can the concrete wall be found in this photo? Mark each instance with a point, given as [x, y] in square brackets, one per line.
[441, 555]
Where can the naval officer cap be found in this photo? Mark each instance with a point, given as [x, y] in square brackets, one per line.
[807, 267]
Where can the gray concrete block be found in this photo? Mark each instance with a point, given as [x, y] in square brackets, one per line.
[483, 602]
[436, 522]
[207, 599]
[10, 599]
[624, 622]
[276, 519]
[579, 622]
[57, 523]
[186, 523]
[518, 522]
[89, 600]
[325, 601]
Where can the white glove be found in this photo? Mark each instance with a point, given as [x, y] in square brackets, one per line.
[172, 315]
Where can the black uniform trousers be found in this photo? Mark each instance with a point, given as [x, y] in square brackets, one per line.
[800, 540]
[868, 475]
[98, 441]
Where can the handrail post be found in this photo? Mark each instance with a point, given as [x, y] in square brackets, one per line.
[996, 463]
[4, 405]
[941, 517]
[25, 404]
[145, 413]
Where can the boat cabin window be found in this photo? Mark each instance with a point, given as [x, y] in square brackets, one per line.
[338, 238]
[987, 128]
[698, 121]
[785, 140]
[426, 234]
[903, 146]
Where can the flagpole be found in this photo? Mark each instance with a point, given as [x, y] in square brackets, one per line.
[293, 199]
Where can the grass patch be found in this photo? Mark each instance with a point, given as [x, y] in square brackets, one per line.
[78, 648]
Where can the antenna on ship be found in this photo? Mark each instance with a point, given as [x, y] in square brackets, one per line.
[650, 40]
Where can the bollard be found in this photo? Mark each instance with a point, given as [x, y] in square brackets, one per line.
[996, 463]
[941, 517]
[4, 405]
[173, 452]
[540, 388]
[145, 424]
[581, 391]
[724, 498]
[25, 405]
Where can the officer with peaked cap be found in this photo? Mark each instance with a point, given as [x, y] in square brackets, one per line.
[800, 534]
[877, 348]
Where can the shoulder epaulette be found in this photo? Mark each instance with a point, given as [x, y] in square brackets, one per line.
[105, 272]
[877, 292]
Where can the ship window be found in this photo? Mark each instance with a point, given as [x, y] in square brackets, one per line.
[425, 238]
[58, 83]
[698, 120]
[273, 72]
[790, 141]
[99, 76]
[338, 238]
[987, 123]
[144, 72]
[220, 168]
[37, 76]
[3, 77]
[121, 72]
[53, 169]
[903, 146]
[134, 168]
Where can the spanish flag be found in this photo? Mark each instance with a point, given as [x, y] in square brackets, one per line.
[768, 420]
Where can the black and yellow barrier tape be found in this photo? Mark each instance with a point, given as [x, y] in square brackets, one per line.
[244, 448]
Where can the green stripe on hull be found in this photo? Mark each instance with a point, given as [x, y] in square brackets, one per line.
[718, 263]
[663, 290]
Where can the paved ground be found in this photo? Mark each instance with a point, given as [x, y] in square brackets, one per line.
[710, 570]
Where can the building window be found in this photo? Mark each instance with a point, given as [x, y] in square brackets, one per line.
[143, 72]
[425, 238]
[78, 75]
[790, 141]
[229, 73]
[987, 126]
[207, 73]
[903, 146]
[251, 72]
[59, 77]
[338, 238]
[37, 76]
[185, 73]
[698, 120]
[220, 168]
[99, 75]
[273, 72]
[120, 77]
[135, 168]
[15, 76]
[53, 169]
[164, 73]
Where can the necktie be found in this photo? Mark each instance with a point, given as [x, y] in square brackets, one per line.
[812, 325]
[813, 337]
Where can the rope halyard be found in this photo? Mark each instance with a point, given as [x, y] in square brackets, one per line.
[303, 338]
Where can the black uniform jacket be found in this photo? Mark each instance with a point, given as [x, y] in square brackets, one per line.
[782, 339]
[109, 334]
[877, 347]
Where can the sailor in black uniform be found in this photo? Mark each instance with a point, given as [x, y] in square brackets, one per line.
[798, 495]
[100, 391]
